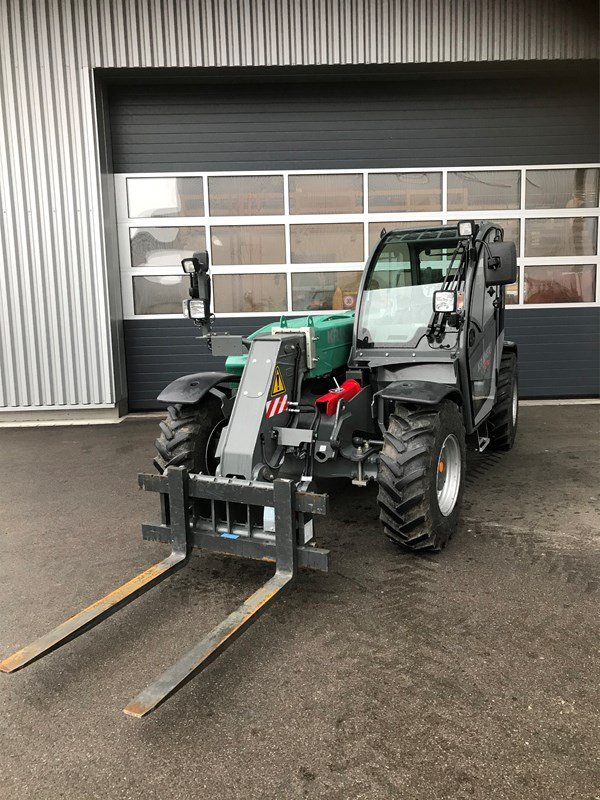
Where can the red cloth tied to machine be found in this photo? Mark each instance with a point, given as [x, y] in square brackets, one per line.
[330, 401]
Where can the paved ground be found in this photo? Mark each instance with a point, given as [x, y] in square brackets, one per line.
[472, 674]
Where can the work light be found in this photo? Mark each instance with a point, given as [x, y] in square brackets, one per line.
[444, 301]
[466, 228]
[188, 265]
[193, 309]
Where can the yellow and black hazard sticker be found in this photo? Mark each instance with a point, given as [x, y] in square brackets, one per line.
[278, 384]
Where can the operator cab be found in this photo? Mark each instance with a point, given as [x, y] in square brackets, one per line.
[405, 271]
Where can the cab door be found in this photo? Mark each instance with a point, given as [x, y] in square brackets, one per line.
[482, 335]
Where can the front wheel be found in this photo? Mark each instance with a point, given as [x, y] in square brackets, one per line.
[189, 436]
[421, 475]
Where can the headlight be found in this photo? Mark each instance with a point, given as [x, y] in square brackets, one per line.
[444, 302]
[188, 265]
[193, 309]
[465, 228]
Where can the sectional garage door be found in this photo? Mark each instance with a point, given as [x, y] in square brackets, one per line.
[288, 184]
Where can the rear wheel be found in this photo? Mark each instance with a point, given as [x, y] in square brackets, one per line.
[504, 417]
[189, 436]
[421, 475]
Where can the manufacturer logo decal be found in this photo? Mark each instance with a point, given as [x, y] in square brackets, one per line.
[278, 384]
[276, 406]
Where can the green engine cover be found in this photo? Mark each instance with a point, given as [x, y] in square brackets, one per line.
[333, 334]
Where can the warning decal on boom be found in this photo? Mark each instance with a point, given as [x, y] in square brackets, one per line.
[278, 384]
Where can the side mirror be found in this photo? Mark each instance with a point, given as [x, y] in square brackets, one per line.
[501, 264]
[201, 258]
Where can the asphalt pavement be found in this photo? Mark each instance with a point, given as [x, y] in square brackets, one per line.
[474, 673]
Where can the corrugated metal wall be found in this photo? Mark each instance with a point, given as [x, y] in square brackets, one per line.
[55, 343]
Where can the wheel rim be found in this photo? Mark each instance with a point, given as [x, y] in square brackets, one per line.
[515, 403]
[448, 474]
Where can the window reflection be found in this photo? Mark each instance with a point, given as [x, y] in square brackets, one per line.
[248, 244]
[159, 294]
[164, 247]
[245, 195]
[327, 244]
[326, 194]
[470, 191]
[512, 230]
[511, 292]
[562, 188]
[560, 284]
[165, 197]
[405, 191]
[250, 293]
[325, 291]
[561, 236]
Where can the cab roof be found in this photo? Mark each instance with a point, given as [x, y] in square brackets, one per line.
[442, 234]
[438, 233]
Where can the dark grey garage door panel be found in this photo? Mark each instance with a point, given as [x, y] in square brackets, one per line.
[558, 352]
[158, 351]
[529, 119]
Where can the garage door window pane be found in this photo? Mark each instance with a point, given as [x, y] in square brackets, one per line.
[512, 292]
[250, 293]
[326, 194]
[512, 230]
[248, 244]
[566, 236]
[562, 188]
[165, 197]
[325, 291]
[159, 294]
[469, 191]
[405, 191]
[375, 228]
[164, 247]
[245, 195]
[560, 284]
[327, 244]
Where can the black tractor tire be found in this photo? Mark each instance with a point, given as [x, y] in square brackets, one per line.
[408, 474]
[504, 417]
[189, 436]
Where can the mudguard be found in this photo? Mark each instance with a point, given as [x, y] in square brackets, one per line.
[421, 392]
[190, 389]
[510, 347]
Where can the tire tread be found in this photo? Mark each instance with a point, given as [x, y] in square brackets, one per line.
[404, 465]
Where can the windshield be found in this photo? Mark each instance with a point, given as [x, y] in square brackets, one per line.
[397, 303]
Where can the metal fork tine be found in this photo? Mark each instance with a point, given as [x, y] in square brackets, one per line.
[209, 648]
[93, 614]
